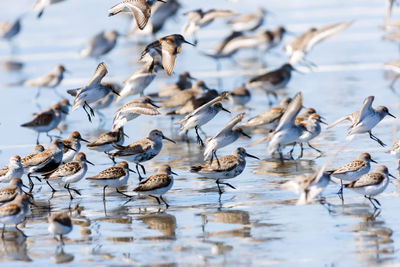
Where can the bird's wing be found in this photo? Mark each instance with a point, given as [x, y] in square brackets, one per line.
[232, 123]
[65, 170]
[154, 182]
[349, 167]
[98, 74]
[367, 179]
[141, 11]
[110, 173]
[366, 109]
[292, 110]
[168, 57]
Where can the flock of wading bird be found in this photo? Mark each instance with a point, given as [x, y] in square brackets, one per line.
[62, 163]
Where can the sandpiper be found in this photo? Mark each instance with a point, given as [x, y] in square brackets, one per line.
[40, 5]
[248, 22]
[37, 149]
[48, 80]
[269, 118]
[157, 184]
[372, 184]
[297, 49]
[184, 82]
[353, 170]
[13, 169]
[226, 136]
[8, 30]
[92, 91]
[44, 162]
[142, 150]
[308, 186]
[70, 172]
[228, 167]
[115, 176]
[240, 95]
[182, 97]
[312, 129]
[60, 224]
[74, 141]
[10, 192]
[140, 9]
[202, 115]
[365, 119]
[104, 143]
[287, 131]
[132, 110]
[198, 18]
[106, 100]
[14, 212]
[139, 80]
[272, 80]
[65, 105]
[167, 48]
[45, 121]
[100, 44]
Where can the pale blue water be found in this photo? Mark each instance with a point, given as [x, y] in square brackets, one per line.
[257, 224]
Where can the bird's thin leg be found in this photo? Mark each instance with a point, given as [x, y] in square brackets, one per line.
[104, 192]
[141, 166]
[291, 151]
[199, 140]
[87, 113]
[158, 200]
[301, 150]
[52, 188]
[90, 108]
[219, 188]
[49, 136]
[166, 204]
[316, 149]
[37, 139]
[370, 200]
[231, 186]
[215, 155]
[377, 202]
[373, 137]
[38, 92]
[2, 232]
[122, 193]
[70, 195]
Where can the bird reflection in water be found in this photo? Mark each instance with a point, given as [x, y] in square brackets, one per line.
[163, 222]
[13, 247]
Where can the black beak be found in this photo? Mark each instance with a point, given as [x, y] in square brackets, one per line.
[89, 162]
[24, 186]
[166, 138]
[84, 140]
[373, 161]
[321, 121]
[251, 156]
[126, 135]
[161, 1]
[188, 43]
[115, 92]
[391, 115]
[63, 111]
[70, 148]
[129, 169]
[224, 109]
[392, 176]
[174, 173]
[245, 134]
[154, 105]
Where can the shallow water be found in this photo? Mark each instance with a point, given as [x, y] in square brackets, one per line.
[256, 224]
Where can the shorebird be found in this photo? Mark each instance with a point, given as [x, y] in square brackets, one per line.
[308, 186]
[65, 105]
[115, 176]
[202, 115]
[106, 100]
[312, 129]
[226, 136]
[298, 48]
[10, 192]
[226, 167]
[183, 96]
[104, 143]
[49, 80]
[372, 184]
[198, 18]
[395, 151]
[45, 121]
[248, 22]
[240, 95]
[140, 9]
[11, 65]
[40, 5]
[74, 141]
[353, 170]
[157, 184]
[70, 172]
[269, 118]
[13, 169]
[142, 150]
[365, 119]
[100, 44]
[132, 110]
[60, 224]
[92, 91]
[195, 102]
[37, 149]
[14, 212]
[272, 80]
[287, 131]
[139, 80]
[167, 48]
[184, 82]
[8, 30]
[44, 162]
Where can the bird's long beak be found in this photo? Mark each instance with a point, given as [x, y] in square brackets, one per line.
[321, 121]
[89, 162]
[115, 92]
[166, 138]
[63, 111]
[392, 176]
[84, 140]
[189, 43]
[154, 105]
[126, 135]
[374, 161]
[161, 1]
[174, 173]
[70, 148]
[25, 186]
[245, 134]
[391, 115]
[252, 156]
[129, 169]
[224, 109]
